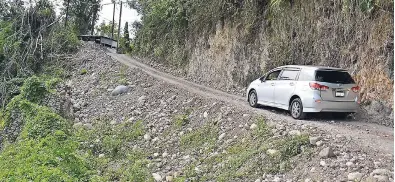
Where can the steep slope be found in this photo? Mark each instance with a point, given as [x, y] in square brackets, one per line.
[233, 48]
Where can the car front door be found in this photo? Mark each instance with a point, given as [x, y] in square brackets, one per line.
[285, 87]
[266, 88]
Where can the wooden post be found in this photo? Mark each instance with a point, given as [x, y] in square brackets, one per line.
[67, 13]
[119, 27]
[113, 21]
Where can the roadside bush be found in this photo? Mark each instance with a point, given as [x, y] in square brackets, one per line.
[51, 158]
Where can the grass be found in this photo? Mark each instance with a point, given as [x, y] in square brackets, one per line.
[206, 136]
[247, 158]
[83, 71]
[49, 149]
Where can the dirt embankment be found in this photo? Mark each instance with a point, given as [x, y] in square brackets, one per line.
[326, 33]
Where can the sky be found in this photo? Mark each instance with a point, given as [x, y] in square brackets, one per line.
[128, 15]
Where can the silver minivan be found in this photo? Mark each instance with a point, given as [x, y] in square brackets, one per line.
[306, 89]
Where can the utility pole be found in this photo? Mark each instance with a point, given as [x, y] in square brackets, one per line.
[95, 10]
[67, 13]
[113, 21]
[119, 27]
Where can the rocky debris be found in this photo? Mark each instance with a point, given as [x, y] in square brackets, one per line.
[221, 136]
[169, 178]
[147, 136]
[380, 172]
[157, 177]
[295, 133]
[253, 126]
[272, 152]
[327, 153]
[314, 140]
[355, 176]
[157, 104]
[121, 89]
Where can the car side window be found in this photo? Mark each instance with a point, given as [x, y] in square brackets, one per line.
[289, 75]
[273, 75]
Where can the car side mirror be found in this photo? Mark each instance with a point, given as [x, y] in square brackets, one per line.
[263, 79]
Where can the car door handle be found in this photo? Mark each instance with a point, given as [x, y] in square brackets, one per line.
[272, 84]
[292, 84]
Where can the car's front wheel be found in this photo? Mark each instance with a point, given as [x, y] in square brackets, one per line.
[296, 109]
[253, 99]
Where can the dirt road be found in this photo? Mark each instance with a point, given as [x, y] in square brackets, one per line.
[370, 137]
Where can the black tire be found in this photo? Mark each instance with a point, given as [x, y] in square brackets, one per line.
[253, 98]
[296, 109]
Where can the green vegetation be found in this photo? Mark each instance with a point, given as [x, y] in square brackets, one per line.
[170, 27]
[49, 149]
[248, 157]
[206, 136]
[83, 71]
[122, 76]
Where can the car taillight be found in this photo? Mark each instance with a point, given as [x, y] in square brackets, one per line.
[355, 89]
[316, 86]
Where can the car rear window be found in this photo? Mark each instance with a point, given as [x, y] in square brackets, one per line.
[333, 76]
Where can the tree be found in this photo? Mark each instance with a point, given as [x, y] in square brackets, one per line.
[104, 29]
[126, 39]
[83, 13]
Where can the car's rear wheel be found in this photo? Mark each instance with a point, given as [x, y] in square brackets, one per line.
[296, 109]
[253, 99]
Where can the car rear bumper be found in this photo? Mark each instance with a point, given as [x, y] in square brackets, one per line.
[330, 106]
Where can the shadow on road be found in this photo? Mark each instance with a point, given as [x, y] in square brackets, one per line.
[325, 117]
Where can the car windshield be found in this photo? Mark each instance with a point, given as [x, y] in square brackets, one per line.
[333, 76]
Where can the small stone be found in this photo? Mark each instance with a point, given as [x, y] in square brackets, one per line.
[88, 126]
[356, 176]
[113, 122]
[295, 133]
[253, 126]
[307, 180]
[381, 178]
[181, 133]
[322, 163]
[349, 164]
[101, 155]
[147, 137]
[258, 180]
[326, 153]
[156, 154]
[165, 154]
[205, 114]
[169, 178]
[142, 99]
[157, 177]
[314, 140]
[155, 139]
[77, 125]
[272, 152]
[221, 136]
[319, 143]
[380, 172]
[276, 179]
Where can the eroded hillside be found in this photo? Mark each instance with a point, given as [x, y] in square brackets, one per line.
[234, 42]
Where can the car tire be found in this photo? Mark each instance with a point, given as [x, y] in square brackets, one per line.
[253, 98]
[296, 109]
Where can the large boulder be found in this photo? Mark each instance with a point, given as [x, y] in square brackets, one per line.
[121, 89]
